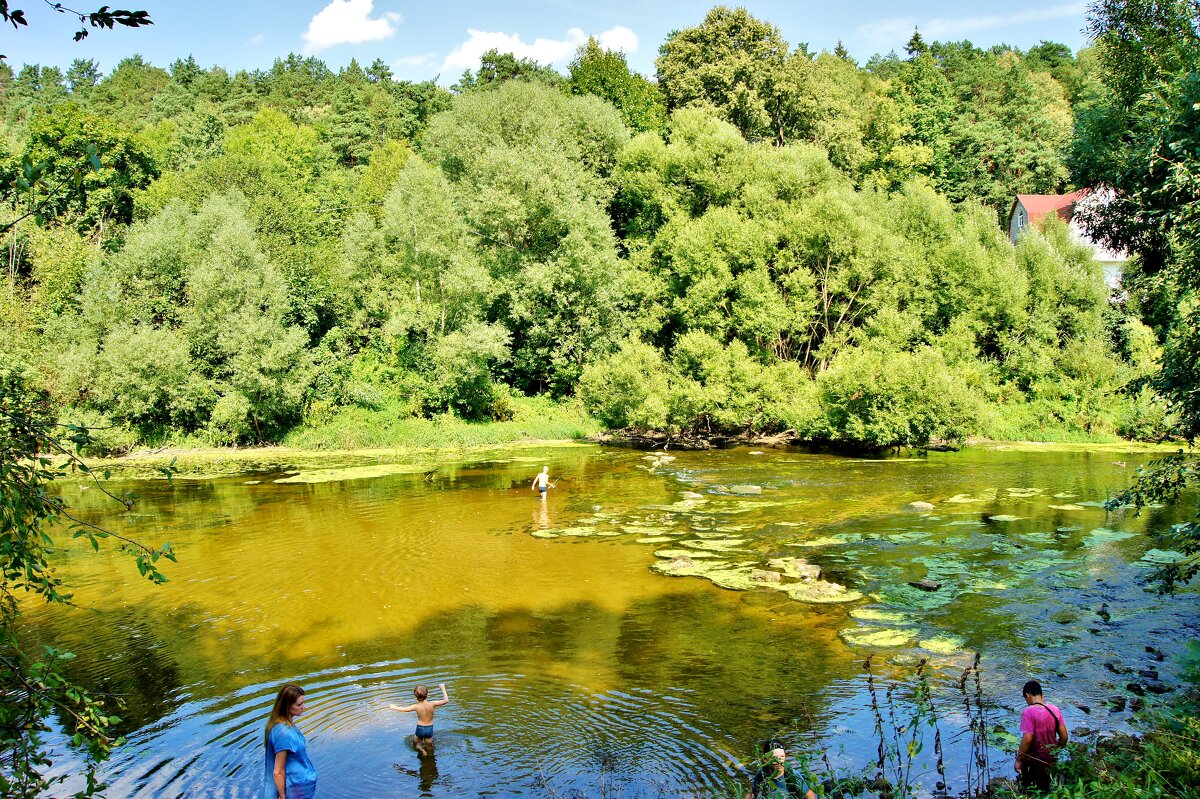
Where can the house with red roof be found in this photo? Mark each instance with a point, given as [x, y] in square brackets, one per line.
[1032, 209]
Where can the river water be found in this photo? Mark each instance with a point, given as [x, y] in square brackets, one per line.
[574, 667]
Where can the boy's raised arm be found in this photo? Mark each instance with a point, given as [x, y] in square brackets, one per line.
[445, 696]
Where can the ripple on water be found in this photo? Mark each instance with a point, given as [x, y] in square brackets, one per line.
[556, 734]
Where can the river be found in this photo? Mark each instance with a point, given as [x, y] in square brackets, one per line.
[572, 665]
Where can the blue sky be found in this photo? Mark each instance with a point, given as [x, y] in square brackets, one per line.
[422, 40]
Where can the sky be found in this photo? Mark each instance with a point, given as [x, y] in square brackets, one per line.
[429, 40]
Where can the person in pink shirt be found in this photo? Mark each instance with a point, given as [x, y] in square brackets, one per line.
[1042, 731]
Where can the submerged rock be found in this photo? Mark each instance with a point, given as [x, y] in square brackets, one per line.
[920, 506]
[763, 576]
[820, 592]
[679, 562]
[926, 585]
[797, 568]
[746, 490]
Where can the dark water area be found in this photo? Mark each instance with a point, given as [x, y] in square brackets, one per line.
[572, 665]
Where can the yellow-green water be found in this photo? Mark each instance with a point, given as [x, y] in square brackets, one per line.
[568, 659]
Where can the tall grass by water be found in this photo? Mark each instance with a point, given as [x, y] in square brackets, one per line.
[533, 419]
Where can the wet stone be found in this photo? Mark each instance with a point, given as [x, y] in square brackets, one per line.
[926, 585]
[763, 576]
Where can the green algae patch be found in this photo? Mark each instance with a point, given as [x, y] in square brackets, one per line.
[1069, 506]
[224, 462]
[942, 644]
[1102, 535]
[875, 614]
[587, 532]
[910, 537]
[1024, 493]
[819, 592]
[987, 495]
[1004, 517]
[909, 598]
[685, 553]
[826, 541]
[354, 473]
[715, 545]
[655, 539]
[873, 636]
[735, 577]
[1164, 557]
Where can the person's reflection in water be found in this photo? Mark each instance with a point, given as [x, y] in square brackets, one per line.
[428, 773]
[541, 516]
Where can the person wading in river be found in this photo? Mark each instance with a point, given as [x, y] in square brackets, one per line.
[1042, 729]
[541, 483]
[424, 708]
[774, 780]
[290, 774]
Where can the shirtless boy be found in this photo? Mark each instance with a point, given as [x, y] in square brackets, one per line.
[424, 709]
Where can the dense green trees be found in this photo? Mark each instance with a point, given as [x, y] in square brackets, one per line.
[1141, 138]
[764, 239]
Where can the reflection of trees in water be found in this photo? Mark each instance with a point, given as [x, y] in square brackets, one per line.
[127, 658]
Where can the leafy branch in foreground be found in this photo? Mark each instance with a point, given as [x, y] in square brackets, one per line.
[35, 451]
[1164, 481]
[103, 17]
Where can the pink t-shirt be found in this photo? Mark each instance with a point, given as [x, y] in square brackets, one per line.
[1036, 721]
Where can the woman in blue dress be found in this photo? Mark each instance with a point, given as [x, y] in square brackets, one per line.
[290, 774]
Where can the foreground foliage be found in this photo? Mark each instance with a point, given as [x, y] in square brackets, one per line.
[34, 685]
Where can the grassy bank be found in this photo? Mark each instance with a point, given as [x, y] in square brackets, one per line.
[534, 418]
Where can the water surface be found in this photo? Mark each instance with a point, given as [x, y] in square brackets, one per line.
[569, 661]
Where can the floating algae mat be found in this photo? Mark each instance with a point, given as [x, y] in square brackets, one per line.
[353, 473]
[942, 644]
[1102, 535]
[875, 614]
[875, 636]
[715, 545]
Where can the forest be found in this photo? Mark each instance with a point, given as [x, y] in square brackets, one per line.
[757, 239]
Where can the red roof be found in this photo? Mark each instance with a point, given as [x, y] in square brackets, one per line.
[1038, 205]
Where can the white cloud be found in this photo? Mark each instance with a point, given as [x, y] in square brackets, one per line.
[256, 40]
[348, 22]
[896, 30]
[619, 38]
[544, 51]
[416, 61]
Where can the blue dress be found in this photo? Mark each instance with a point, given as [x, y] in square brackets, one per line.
[299, 775]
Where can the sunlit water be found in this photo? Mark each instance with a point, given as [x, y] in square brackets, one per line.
[571, 666]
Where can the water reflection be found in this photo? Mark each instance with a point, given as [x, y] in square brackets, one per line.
[566, 655]
[426, 772]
